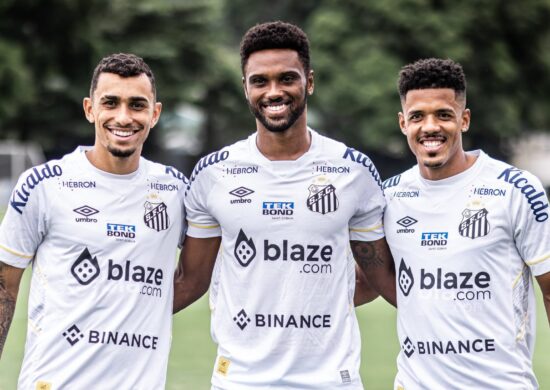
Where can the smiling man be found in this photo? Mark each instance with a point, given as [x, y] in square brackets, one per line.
[467, 233]
[285, 204]
[100, 227]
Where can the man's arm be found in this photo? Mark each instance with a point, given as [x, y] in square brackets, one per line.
[544, 283]
[9, 287]
[364, 293]
[375, 260]
[196, 263]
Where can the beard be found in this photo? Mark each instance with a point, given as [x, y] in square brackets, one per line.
[119, 152]
[282, 124]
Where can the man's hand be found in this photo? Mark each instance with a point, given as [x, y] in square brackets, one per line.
[194, 271]
[375, 260]
[10, 277]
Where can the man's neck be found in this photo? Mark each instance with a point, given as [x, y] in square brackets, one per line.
[111, 164]
[290, 144]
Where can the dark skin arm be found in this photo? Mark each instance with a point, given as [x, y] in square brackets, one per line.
[9, 287]
[544, 283]
[364, 293]
[375, 260]
[194, 271]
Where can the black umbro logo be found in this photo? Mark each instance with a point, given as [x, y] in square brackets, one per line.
[73, 335]
[408, 347]
[241, 319]
[86, 211]
[407, 221]
[241, 192]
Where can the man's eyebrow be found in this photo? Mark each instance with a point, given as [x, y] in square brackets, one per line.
[110, 97]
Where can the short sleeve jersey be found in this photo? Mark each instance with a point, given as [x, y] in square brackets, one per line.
[465, 250]
[282, 290]
[103, 251]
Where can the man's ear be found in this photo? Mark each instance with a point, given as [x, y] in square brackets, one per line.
[310, 83]
[402, 124]
[156, 114]
[88, 109]
[466, 116]
[244, 88]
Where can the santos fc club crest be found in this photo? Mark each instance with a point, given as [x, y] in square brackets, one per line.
[474, 223]
[322, 198]
[156, 216]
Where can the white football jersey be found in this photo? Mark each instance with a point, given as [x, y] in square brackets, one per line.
[282, 289]
[465, 250]
[103, 252]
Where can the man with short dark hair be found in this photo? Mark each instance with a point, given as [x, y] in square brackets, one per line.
[100, 227]
[467, 233]
[284, 204]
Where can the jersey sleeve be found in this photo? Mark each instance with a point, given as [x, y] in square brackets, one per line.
[200, 222]
[24, 224]
[366, 224]
[531, 224]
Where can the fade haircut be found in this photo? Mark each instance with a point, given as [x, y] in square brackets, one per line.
[275, 35]
[432, 73]
[124, 65]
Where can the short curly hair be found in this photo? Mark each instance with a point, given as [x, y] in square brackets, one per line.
[432, 73]
[275, 35]
[124, 65]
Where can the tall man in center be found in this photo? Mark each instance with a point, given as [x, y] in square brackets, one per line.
[285, 203]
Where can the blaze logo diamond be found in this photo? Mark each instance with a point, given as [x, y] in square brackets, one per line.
[241, 192]
[241, 319]
[245, 250]
[407, 221]
[408, 347]
[86, 268]
[406, 279]
[73, 335]
[86, 211]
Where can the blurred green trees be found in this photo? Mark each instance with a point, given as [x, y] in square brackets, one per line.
[48, 49]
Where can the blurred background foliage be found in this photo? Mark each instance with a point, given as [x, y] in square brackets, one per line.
[48, 49]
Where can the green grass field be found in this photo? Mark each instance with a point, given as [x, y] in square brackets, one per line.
[192, 355]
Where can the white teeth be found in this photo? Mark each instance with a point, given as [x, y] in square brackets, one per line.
[432, 144]
[276, 108]
[121, 133]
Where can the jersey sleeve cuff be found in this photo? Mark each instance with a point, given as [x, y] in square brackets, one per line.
[371, 233]
[540, 265]
[14, 258]
[203, 231]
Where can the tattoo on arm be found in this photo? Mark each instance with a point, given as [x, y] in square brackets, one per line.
[366, 254]
[7, 307]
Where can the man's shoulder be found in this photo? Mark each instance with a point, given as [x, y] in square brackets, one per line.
[212, 163]
[164, 172]
[402, 179]
[339, 153]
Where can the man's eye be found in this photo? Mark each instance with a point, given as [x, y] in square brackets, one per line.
[138, 106]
